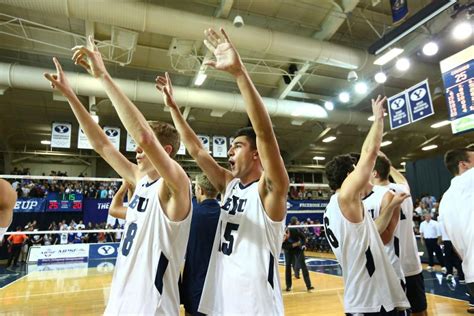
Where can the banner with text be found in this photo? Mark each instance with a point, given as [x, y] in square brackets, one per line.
[398, 110]
[96, 210]
[29, 205]
[113, 133]
[205, 141]
[420, 102]
[61, 135]
[219, 146]
[131, 145]
[82, 140]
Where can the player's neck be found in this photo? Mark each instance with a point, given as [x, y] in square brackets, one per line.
[153, 175]
[381, 182]
[251, 177]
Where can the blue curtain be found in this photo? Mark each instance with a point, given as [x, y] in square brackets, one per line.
[428, 176]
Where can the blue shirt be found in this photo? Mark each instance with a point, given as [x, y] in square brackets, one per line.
[198, 253]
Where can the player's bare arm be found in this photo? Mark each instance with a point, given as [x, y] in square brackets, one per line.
[274, 183]
[93, 131]
[354, 184]
[175, 178]
[218, 175]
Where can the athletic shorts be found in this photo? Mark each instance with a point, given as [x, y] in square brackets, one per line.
[416, 292]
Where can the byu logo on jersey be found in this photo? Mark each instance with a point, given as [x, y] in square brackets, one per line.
[106, 250]
[139, 202]
[61, 129]
[219, 141]
[397, 104]
[111, 132]
[234, 204]
[418, 94]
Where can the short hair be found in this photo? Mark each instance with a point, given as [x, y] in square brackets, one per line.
[453, 157]
[337, 170]
[294, 220]
[248, 132]
[206, 185]
[355, 157]
[167, 135]
[382, 166]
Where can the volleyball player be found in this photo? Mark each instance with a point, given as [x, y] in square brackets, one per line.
[456, 211]
[371, 285]
[7, 203]
[158, 218]
[243, 271]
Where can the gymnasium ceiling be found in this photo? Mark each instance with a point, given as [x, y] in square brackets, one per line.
[48, 28]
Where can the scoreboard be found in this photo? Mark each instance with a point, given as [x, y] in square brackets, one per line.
[458, 78]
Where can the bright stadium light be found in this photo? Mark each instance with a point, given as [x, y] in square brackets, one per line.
[46, 142]
[329, 139]
[380, 77]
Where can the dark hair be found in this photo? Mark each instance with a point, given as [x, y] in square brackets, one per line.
[355, 157]
[167, 135]
[249, 133]
[293, 220]
[453, 157]
[382, 166]
[337, 170]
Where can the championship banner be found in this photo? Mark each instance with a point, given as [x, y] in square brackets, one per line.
[71, 202]
[399, 10]
[113, 133]
[398, 110]
[205, 142]
[29, 205]
[131, 145]
[219, 146]
[61, 135]
[96, 210]
[420, 102]
[82, 140]
[181, 150]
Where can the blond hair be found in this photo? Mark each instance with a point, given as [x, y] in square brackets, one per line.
[206, 185]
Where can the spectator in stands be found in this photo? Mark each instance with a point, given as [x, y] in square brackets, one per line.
[81, 225]
[37, 239]
[16, 243]
[431, 237]
[109, 236]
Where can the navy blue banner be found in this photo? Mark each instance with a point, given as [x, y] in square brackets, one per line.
[399, 10]
[30, 205]
[309, 205]
[420, 101]
[96, 210]
[398, 110]
[459, 85]
[103, 251]
[64, 202]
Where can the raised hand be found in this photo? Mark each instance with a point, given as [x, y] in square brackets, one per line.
[59, 81]
[227, 57]
[377, 107]
[163, 84]
[90, 60]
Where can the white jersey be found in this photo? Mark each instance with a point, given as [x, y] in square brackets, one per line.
[373, 204]
[410, 259]
[243, 278]
[456, 211]
[3, 230]
[369, 279]
[152, 249]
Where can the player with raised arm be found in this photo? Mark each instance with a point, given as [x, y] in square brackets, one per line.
[157, 220]
[7, 203]
[243, 271]
[371, 286]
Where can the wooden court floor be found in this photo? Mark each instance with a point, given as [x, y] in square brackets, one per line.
[85, 291]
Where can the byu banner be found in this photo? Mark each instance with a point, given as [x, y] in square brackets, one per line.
[398, 110]
[131, 145]
[205, 141]
[82, 141]
[103, 251]
[96, 210]
[420, 101]
[30, 205]
[113, 133]
[399, 10]
[60, 135]
[181, 150]
[219, 146]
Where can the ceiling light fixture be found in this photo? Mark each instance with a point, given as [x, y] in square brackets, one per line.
[319, 158]
[388, 56]
[403, 64]
[46, 142]
[430, 48]
[440, 124]
[329, 105]
[344, 97]
[429, 147]
[361, 87]
[200, 78]
[462, 31]
[403, 163]
[386, 143]
[380, 77]
[329, 139]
